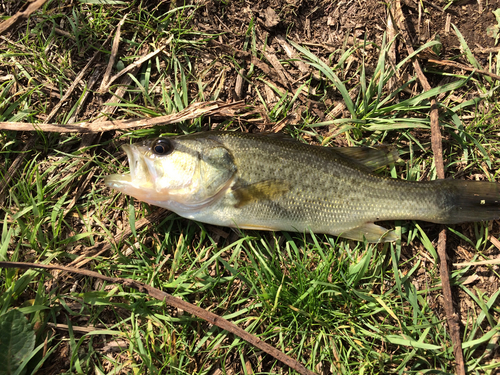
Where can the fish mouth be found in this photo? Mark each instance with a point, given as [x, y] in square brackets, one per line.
[139, 180]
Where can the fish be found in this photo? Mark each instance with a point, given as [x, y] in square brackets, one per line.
[276, 183]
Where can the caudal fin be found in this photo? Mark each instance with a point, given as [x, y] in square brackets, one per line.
[469, 201]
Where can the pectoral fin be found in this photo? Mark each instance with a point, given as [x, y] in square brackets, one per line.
[372, 233]
[264, 190]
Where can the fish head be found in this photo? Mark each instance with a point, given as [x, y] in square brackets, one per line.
[182, 174]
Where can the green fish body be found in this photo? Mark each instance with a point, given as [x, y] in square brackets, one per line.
[267, 182]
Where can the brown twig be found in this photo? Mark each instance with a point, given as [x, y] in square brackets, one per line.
[130, 67]
[292, 54]
[193, 111]
[436, 142]
[451, 316]
[111, 104]
[65, 327]
[391, 53]
[112, 57]
[239, 85]
[179, 304]
[4, 26]
[487, 50]
[464, 67]
[437, 148]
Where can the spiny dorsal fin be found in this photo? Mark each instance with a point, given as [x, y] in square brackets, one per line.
[370, 157]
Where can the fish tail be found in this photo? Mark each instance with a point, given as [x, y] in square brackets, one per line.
[468, 201]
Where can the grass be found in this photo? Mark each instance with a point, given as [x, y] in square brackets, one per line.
[335, 305]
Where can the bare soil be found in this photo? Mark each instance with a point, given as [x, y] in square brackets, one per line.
[329, 27]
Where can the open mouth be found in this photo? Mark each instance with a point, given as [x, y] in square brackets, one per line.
[139, 176]
[138, 168]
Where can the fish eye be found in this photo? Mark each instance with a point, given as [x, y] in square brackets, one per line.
[162, 146]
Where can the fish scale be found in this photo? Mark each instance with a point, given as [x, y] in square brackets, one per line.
[270, 182]
[337, 195]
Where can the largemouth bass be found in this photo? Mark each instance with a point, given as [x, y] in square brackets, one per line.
[266, 182]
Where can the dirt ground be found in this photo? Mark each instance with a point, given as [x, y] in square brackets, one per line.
[328, 27]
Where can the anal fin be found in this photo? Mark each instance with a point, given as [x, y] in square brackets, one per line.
[372, 233]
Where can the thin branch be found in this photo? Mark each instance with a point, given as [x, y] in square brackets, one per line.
[112, 57]
[215, 108]
[464, 67]
[437, 148]
[5, 25]
[179, 304]
[132, 66]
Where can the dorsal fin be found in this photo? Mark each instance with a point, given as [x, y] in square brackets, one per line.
[371, 157]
